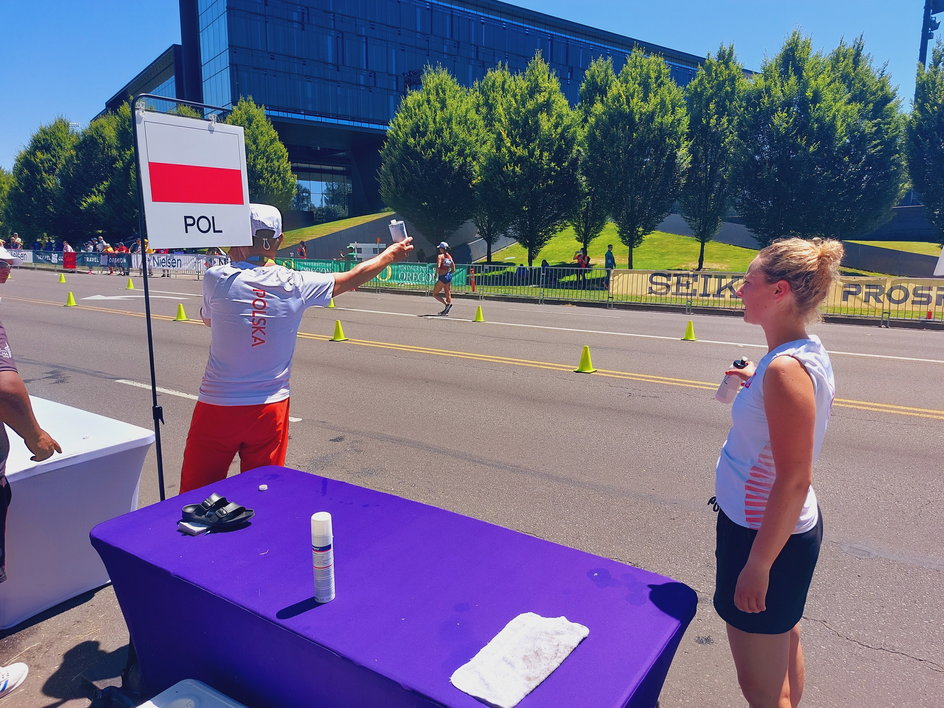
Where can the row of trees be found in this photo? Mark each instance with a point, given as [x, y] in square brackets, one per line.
[813, 145]
[73, 185]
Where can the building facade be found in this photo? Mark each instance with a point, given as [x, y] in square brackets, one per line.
[331, 73]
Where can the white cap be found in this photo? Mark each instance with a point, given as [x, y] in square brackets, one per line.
[264, 216]
[5, 255]
[321, 532]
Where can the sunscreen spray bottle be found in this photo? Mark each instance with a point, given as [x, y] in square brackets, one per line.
[730, 385]
[322, 556]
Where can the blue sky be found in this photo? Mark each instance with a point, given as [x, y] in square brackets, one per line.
[67, 58]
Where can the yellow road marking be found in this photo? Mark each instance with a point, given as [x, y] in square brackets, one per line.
[872, 406]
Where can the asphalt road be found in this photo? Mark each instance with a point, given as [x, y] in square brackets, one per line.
[489, 420]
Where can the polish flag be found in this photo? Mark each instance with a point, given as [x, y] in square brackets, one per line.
[217, 179]
[192, 184]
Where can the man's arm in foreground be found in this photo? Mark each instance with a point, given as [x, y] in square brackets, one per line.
[365, 270]
[16, 411]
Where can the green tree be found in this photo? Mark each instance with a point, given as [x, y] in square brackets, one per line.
[714, 100]
[593, 202]
[820, 144]
[269, 171]
[428, 159]
[533, 165]
[6, 181]
[870, 161]
[491, 211]
[32, 200]
[84, 180]
[636, 145]
[925, 138]
[118, 211]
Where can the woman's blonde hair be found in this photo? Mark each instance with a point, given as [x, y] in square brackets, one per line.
[810, 267]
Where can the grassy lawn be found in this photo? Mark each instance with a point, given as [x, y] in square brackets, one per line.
[308, 233]
[922, 247]
[659, 251]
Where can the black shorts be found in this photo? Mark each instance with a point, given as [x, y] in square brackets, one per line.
[5, 495]
[790, 577]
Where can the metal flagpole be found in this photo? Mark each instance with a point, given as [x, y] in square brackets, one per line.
[157, 412]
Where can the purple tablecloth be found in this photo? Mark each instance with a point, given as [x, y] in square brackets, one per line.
[419, 591]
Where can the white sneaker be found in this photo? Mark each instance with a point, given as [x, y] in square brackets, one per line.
[11, 677]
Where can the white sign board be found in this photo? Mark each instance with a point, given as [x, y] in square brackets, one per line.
[939, 268]
[193, 178]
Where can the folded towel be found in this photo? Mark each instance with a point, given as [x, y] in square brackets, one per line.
[518, 658]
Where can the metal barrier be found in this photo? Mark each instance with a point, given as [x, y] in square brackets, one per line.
[160, 264]
[876, 298]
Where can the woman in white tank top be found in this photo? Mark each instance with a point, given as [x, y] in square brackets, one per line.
[769, 525]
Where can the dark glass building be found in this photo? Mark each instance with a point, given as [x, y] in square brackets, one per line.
[332, 72]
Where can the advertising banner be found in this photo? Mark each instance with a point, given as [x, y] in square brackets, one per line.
[193, 181]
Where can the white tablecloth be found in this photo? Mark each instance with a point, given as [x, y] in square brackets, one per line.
[56, 503]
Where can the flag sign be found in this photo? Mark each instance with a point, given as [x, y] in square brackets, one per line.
[193, 178]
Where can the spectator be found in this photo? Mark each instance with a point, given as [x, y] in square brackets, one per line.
[16, 243]
[253, 308]
[583, 265]
[770, 527]
[609, 262]
[17, 413]
[302, 250]
[521, 273]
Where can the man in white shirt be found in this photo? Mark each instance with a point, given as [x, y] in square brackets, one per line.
[254, 309]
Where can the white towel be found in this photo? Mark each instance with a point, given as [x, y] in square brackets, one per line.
[518, 658]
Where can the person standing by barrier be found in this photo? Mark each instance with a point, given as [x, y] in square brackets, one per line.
[254, 308]
[609, 262]
[769, 527]
[302, 250]
[445, 267]
[17, 413]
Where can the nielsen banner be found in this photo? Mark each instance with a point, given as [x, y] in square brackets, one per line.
[193, 179]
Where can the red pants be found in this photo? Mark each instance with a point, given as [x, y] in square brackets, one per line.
[259, 433]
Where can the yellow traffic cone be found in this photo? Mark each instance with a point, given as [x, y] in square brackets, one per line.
[338, 333]
[479, 317]
[130, 285]
[689, 333]
[62, 277]
[585, 366]
[331, 304]
[181, 315]
[70, 300]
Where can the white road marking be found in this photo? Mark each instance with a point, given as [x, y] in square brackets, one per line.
[645, 336]
[172, 392]
[125, 297]
[171, 292]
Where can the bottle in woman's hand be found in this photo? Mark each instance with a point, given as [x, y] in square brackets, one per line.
[731, 383]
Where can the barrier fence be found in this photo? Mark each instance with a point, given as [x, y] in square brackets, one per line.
[881, 299]
[163, 264]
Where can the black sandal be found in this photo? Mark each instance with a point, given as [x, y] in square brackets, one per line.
[216, 512]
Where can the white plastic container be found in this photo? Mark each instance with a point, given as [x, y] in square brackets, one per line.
[322, 556]
[190, 693]
[730, 384]
[56, 502]
[397, 230]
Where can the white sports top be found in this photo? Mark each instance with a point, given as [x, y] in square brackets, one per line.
[745, 471]
[254, 315]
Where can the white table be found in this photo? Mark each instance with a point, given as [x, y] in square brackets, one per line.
[56, 503]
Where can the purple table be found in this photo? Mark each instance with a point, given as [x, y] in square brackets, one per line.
[420, 591]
